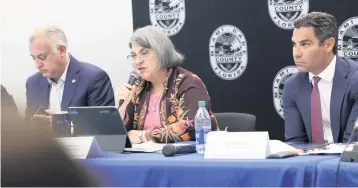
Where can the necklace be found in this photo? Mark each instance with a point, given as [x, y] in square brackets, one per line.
[154, 107]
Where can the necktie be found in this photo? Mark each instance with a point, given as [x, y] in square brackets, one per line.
[316, 114]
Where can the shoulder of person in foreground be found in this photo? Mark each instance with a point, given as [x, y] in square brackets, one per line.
[7, 101]
[30, 157]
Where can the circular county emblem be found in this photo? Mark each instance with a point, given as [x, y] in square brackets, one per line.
[348, 39]
[278, 84]
[285, 12]
[228, 52]
[168, 15]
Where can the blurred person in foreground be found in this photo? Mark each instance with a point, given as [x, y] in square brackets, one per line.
[8, 104]
[31, 158]
[162, 104]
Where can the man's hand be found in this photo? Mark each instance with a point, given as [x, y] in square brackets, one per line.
[42, 120]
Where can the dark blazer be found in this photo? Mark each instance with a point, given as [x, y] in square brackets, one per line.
[85, 85]
[343, 109]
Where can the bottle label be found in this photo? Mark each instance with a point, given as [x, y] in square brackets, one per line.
[206, 132]
[199, 136]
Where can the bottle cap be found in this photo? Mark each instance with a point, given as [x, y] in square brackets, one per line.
[201, 103]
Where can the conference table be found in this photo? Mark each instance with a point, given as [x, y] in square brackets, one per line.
[154, 169]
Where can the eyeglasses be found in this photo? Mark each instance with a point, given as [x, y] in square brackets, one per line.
[142, 55]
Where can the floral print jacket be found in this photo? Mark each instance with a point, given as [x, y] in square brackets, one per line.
[178, 107]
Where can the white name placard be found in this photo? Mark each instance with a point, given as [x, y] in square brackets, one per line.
[237, 145]
[80, 147]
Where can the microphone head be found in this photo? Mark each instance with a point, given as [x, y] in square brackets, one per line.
[169, 150]
[135, 72]
[133, 76]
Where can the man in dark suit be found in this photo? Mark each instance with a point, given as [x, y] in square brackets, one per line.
[62, 80]
[321, 101]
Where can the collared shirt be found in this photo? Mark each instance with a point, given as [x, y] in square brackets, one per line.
[56, 92]
[325, 90]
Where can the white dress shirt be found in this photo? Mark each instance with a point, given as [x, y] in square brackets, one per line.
[56, 92]
[325, 90]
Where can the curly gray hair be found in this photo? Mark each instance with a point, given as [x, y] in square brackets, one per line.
[153, 38]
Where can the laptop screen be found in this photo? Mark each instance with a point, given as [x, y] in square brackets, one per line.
[96, 120]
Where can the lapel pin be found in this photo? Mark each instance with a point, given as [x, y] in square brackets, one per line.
[73, 81]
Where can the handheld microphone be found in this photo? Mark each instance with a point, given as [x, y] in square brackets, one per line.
[133, 76]
[170, 150]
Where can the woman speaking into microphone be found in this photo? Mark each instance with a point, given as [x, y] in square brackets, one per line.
[162, 103]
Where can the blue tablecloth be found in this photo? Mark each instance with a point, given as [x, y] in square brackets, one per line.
[326, 174]
[144, 169]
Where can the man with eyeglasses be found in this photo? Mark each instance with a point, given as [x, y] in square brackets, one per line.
[62, 80]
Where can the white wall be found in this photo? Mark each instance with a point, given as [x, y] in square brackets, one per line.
[98, 32]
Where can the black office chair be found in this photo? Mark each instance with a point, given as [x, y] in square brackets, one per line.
[236, 122]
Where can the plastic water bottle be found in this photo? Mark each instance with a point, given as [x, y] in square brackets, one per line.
[202, 127]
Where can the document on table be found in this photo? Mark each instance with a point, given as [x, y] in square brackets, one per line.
[150, 147]
[277, 146]
[329, 149]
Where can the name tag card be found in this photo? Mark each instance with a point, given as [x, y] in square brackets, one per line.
[237, 145]
[80, 147]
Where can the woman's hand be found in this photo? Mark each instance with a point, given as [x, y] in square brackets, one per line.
[124, 93]
[135, 136]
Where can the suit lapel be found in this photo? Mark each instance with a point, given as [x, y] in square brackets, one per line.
[339, 87]
[305, 97]
[72, 79]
